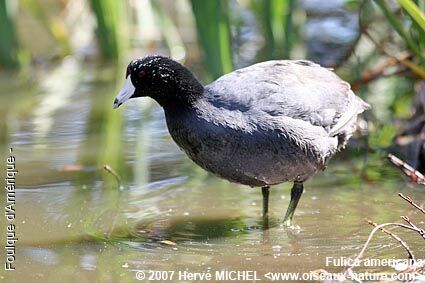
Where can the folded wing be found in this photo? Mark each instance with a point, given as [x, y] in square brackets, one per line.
[300, 90]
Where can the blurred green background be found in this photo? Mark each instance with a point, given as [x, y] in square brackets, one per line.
[62, 63]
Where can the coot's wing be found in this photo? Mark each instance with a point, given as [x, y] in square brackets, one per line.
[299, 90]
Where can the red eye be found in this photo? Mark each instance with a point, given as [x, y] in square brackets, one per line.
[141, 73]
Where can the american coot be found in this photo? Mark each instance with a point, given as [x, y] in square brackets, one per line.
[262, 125]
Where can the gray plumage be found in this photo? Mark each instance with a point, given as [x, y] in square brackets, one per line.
[268, 123]
[262, 125]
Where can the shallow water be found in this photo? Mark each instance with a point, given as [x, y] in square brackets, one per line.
[74, 221]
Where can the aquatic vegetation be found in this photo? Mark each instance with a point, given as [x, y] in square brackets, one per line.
[8, 41]
[214, 38]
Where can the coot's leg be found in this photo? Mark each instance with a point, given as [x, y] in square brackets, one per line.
[296, 192]
[265, 191]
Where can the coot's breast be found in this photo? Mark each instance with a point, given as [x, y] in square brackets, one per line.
[249, 156]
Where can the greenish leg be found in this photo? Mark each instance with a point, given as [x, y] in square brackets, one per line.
[265, 191]
[296, 192]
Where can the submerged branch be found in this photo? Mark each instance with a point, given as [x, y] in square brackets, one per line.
[416, 266]
[414, 227]
[114, 173]
[397, 238]
[409, 200]
[348, 270]
[414, 175]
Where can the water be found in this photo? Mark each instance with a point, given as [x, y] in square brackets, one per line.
[73, 220]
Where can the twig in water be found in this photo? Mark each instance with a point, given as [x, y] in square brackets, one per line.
[417, 265]
[414, 227]
[409, 200]
[397, 238]
[414, 175]
[112, 228]
[349, 270]
[114, 173]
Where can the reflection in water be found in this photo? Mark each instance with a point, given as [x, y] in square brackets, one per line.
[56, 95]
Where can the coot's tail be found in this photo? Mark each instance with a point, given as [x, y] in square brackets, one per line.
[346, 124]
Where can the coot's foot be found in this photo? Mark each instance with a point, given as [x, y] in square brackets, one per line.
[289, 224]
[296, 192]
